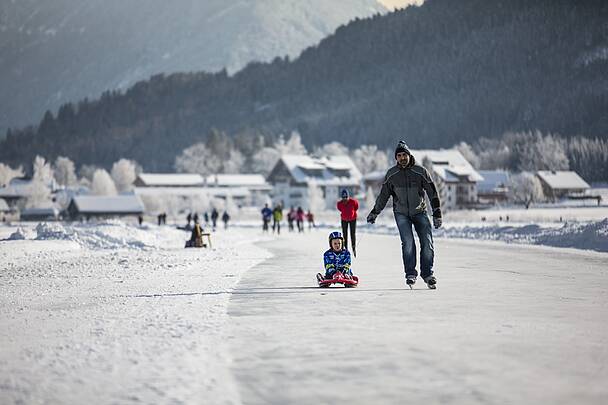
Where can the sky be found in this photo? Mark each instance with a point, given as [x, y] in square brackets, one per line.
[392, 4]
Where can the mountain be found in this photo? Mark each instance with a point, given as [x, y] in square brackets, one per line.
[55, 51]
[433, 75]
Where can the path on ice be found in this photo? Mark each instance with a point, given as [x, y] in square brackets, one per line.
[507, 324]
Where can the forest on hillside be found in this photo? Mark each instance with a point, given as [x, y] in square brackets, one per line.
[434, 75]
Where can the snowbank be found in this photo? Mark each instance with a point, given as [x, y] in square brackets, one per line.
[111, 235]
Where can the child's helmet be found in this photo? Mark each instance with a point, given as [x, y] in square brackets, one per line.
[335, 235]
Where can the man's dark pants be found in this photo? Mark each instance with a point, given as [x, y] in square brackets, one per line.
[423, 228]
[353, 228]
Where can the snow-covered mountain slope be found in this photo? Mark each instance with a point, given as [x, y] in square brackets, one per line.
[62, 50]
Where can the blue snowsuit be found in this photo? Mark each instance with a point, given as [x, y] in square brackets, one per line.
[336, 261]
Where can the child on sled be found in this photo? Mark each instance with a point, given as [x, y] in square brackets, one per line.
[337, 258]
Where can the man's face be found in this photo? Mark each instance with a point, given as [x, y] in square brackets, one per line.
[336, 244]
[403, 159]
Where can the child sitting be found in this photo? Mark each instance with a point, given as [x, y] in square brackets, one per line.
[337, 258]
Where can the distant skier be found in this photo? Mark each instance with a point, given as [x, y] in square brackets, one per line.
[266, 216]
[277, 217]
[225, 218]
[348, 207]
[407, 182]
[189, 219]
[206, 216]
[214, 216]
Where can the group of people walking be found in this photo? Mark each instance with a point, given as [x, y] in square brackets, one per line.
[297, 216]
[215, 215]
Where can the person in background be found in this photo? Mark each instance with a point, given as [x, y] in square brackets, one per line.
[225, 218]
[206, 216]
[348, 207]
[214, 216]
[291, 217]
[277, 217]
[188, 218]
[311, 219]
[266, 216]
[300, 219]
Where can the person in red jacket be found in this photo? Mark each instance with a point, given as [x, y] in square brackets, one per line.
[348, 214]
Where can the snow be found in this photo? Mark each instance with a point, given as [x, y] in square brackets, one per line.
[115, 313]
[324, 170]
[111, 312]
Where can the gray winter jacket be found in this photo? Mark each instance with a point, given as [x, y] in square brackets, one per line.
[407, 186]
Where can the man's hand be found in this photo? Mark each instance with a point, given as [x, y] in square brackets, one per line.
[371, 218]
[437, 222]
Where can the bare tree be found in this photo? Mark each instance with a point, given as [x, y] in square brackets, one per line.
[264, 160]
[234, 163]
[293, 146]
[369, 159]
[7, 174]
[332, 149]
[64, 171]
[526, 189]
[40, 188]
[123, 174]
[198, 159]
[102, 183]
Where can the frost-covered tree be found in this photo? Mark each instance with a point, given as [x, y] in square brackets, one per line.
[369, 159]
[469, 154]
[7, 174]
[526, 188]
[123, 174]
[293, 146]
[65, 173]
[316, 201]
[370, 198]
[231, 207]
[543, 153]
[235, 162]
[198, 159]
[263, 161]
[332, 149]
[40, 188]
[102, 183]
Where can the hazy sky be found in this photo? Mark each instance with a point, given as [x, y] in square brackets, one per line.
[391, 4]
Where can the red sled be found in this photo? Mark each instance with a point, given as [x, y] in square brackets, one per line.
[338, 278]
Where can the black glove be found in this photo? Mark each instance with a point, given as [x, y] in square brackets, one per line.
[437, 222]
[371, 218]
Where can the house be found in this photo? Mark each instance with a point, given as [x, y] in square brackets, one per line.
[93, 206]
[49, 213]
[4, 206]
[16, 192]
[374, 180]
[494, 187]
[455, 178]
[243, 189]
[560, 184]
[293, 176]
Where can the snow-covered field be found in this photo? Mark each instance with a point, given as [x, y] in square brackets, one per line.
[112, 313]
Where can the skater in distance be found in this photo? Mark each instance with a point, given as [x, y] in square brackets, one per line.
[407, 182]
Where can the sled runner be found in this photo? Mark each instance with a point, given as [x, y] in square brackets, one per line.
[338, 278]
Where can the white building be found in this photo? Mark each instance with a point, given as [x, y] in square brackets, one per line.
[94, 206]
[243, 189]
[560, 184]
[494, 188]
[294, 176]
[455, 178]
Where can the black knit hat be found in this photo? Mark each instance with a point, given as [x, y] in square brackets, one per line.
[402, 147]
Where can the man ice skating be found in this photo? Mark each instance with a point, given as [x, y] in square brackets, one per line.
[406, 182]
[348, 207]
[266, 216]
